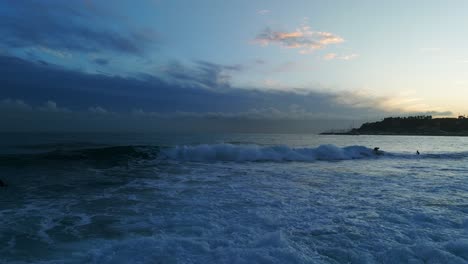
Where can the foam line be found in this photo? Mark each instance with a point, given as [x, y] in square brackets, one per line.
[230, 152]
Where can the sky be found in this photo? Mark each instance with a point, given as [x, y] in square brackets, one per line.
[239, 66]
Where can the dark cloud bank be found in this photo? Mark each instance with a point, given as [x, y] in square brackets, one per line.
[71, 26]
[39, 96]
[45, 97]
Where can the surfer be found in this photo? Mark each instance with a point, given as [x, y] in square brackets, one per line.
[2, 184]
[377, 151]
[417, 152]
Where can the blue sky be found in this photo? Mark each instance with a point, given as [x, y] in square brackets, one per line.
[367, 59]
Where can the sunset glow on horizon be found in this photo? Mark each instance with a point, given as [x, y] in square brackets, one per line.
[363, 60]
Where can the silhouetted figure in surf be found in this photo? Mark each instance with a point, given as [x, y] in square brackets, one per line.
[417, 152]
[2, 184]
[377, 151]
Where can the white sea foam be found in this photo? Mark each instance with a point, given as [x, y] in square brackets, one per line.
[230, 152]
[284, 153]
[392, 208]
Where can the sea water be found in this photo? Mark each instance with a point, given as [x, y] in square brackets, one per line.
[150, 198]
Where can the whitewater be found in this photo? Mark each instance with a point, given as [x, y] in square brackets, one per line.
[233, 198]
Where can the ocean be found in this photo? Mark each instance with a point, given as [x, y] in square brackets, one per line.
[233, 198]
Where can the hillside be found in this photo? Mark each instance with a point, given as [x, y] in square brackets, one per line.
[413, 125]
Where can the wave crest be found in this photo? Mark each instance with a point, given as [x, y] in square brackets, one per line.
[230, 152]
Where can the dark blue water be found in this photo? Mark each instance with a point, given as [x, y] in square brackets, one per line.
[139, 198]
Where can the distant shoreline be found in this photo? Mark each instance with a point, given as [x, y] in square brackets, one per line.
[411, 126]
[396, 134]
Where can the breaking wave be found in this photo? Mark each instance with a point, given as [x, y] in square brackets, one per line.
[115, 155]
[282, 153]
[239, 153]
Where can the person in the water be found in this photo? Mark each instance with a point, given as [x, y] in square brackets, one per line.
[2, 184]
[377, 151]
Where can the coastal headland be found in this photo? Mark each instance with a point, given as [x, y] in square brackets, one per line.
[412, 125]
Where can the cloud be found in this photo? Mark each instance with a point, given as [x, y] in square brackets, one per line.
[97, 110]
[50, 106]
[101, 61]
[330, 56]
[59, 28]
[293, 119]
[57, 53]
[302, 38]
[204, 74]
[349, 57]
[267, 120]
[395, 104]
[9, 104]
[20, 105]
[292, 112]
[333, 56]
[188, 96]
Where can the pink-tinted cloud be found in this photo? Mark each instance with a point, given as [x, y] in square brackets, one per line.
[330, 56]
[303, 38]
[334, 56]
